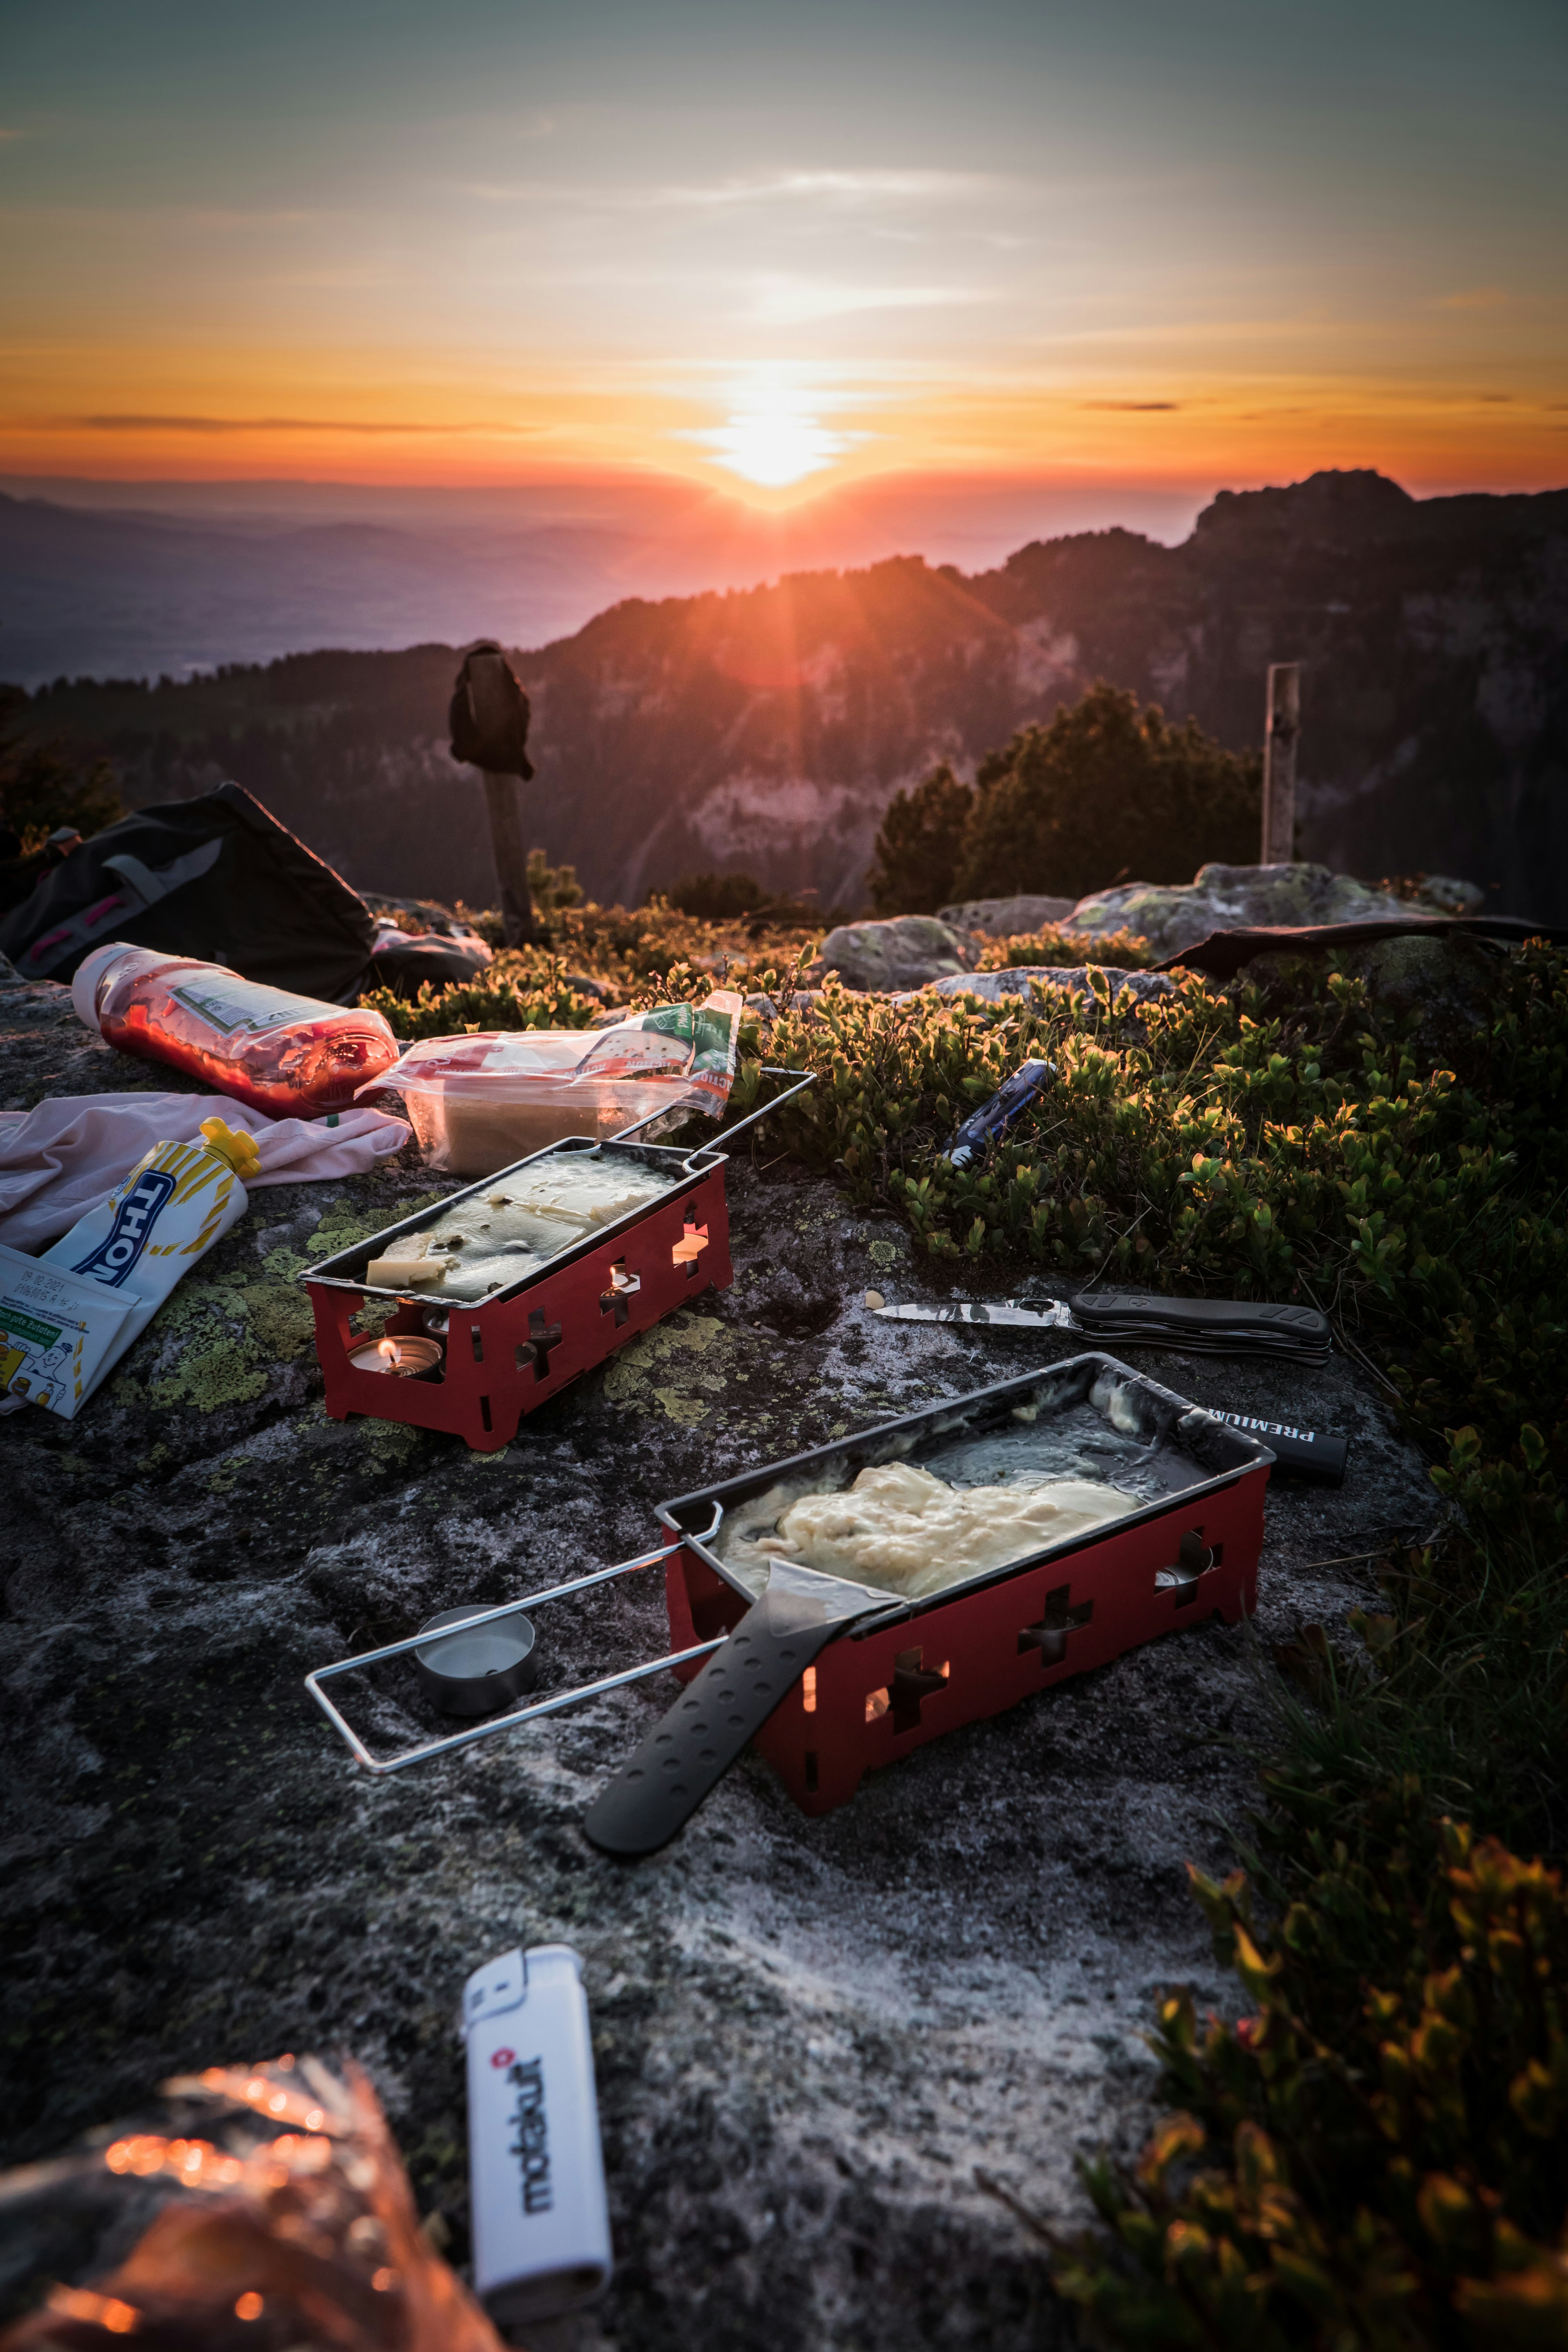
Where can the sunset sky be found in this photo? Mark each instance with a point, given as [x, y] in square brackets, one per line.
[778, 247]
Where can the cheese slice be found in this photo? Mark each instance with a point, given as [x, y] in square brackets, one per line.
[407, 1264]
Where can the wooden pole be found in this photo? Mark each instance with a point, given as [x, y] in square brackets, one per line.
[1282, 730]
[492, 691]
[510, 845]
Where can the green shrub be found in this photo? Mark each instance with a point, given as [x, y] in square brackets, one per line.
[1103, 792]
[551, 887]
[1378, 2155]
[919, 846]
[1122, 950]
[1106, 791]
[628, 954]
[717, 897]
[526, 989]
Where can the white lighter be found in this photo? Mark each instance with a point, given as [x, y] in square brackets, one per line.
[541, 2221]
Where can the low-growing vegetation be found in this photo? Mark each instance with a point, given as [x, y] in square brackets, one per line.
[628, 957]
[1054, 947]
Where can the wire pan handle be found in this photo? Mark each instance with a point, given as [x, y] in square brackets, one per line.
[803, 1079]
[807, 1078]
[422, 1754]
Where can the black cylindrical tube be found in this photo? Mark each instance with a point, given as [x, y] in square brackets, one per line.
[1298, 1453]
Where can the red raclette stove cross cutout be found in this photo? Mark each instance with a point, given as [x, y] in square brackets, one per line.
[690, 1246]
[623, 1286]
[536, 1349]
[1194, 1559]
[1059, 1619]
[912, 1684]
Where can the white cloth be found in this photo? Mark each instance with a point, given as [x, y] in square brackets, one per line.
[60, 1160]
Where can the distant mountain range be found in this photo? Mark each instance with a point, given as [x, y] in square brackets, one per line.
[141, 579]
[765, 729]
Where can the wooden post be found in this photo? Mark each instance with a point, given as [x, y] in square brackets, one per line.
[491, 691]
[1283, 728]
[510, 845]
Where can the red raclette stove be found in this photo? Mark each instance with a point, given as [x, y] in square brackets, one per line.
[832, 1681]
[512, 1353]
[832, 1678]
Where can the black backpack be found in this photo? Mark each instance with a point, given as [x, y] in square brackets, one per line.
[216, 877]
[501, 746]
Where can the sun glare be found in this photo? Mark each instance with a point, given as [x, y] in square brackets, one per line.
[774, 440]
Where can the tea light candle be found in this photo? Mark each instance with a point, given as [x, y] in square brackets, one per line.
[410, 1357]
[472, 1674]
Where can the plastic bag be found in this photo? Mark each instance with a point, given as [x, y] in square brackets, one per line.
[286, 2224]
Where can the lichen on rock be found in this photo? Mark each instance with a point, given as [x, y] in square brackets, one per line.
[1234, 898]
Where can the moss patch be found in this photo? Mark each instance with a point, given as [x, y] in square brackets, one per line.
[660, 1369]
[227, 1372]
[279, 1315]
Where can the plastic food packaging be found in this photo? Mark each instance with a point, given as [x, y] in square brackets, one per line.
[480, 1102]
[283, 2218]
[286, 1054]
[67, 1318]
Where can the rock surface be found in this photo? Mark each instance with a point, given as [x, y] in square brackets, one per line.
[1005, 918]
[1234, 898]
[808, 2033]
[1017, 980]
[1447, 985]
[902, 953]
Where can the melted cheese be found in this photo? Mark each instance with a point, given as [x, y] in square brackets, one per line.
[900, 1528]
[492, 1240]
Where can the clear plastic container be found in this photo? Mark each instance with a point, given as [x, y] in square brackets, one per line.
[290, 1057]
[474, 1129]
[478, 1102]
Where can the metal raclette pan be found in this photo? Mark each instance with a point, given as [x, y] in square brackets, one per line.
[345, 1271]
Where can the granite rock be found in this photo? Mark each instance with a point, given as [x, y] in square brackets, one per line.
[1005, 918]
[902, 953]
[808, 2035]
[1233, 898]
[1018, 980]
[1447, 987]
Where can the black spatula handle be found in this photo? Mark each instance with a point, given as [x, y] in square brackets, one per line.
[659, 1787]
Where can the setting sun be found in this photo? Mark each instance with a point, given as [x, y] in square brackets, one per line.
[773, 441]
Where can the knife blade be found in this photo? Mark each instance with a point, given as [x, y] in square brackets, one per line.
[1057, 1316]
[1308, 1454]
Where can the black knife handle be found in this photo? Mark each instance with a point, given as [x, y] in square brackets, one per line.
[659, 1787]
[1306, 1323]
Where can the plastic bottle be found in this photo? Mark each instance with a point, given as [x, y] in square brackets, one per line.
[290, 1057]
